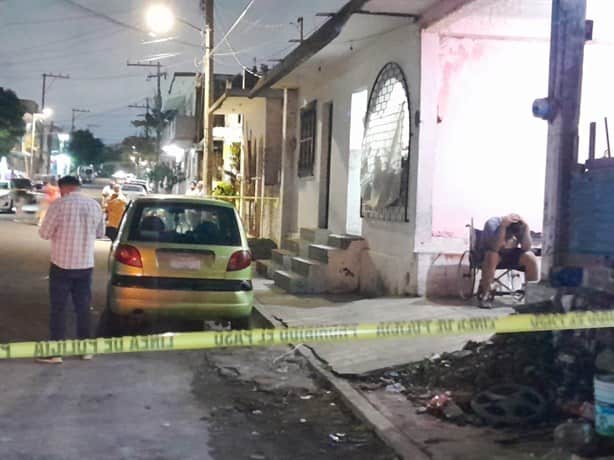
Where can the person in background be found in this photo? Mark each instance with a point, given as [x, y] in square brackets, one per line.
[200, 188]
[72, 224]
[114, 209]
[107, 191]
[505, 240]
[52, 193]
[191, 191]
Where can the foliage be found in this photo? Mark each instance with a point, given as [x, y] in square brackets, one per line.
[165, 177]
[143, 145]
[86, 148]
[157, 120]
[12, 125]
[112, 153]
[224, 189]
[235, 151]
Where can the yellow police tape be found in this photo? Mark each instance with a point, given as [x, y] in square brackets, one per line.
[311, 334]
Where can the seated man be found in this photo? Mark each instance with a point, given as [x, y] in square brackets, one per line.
[506, 241]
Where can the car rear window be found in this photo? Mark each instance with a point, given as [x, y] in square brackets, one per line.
[4, 185]
[185, 223]
[22, 183]
[133, 188]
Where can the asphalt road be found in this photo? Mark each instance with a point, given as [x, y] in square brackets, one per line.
[223, 405]
[128, 406]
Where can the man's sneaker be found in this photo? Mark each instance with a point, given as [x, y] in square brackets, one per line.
[87, 357]
[484, 300]
[485, 303]
[50, 360]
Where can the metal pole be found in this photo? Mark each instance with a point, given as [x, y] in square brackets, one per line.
[208, 163]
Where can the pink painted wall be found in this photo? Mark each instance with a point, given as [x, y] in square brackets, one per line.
[491, 151]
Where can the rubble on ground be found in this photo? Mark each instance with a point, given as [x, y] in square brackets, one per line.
[540, 379]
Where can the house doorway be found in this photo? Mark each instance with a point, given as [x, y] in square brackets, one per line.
[327, 137]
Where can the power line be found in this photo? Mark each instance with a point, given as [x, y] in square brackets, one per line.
[234, 25]
[117, 22]
[233, 52]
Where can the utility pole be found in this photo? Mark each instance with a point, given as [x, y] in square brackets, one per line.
[50, 75]
[74, 111]
[158, 100]
[562, 110]
[208, 158]
[46, 164]
[299, 21]
[146, 107]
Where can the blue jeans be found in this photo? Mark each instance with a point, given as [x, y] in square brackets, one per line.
[78, 285]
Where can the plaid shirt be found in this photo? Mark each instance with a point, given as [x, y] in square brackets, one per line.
[73, 223]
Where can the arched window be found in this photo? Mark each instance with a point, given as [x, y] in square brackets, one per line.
[384, 172]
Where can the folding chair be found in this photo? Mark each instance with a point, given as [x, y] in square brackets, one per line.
[470, 267]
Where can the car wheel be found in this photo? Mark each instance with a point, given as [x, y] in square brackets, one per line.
[244, 323]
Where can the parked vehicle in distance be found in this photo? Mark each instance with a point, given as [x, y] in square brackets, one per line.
[178, 256]
[86, 174]
[6, 199]
[133, 191]
[142, 182]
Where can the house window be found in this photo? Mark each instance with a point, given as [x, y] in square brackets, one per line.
[219, 121]
[307, 144]
[384, 173]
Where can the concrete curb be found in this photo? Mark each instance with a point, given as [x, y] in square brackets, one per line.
[361, 407]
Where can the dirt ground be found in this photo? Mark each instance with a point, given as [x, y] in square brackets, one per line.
[267, 404]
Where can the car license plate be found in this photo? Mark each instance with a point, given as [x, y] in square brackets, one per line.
[185, 263]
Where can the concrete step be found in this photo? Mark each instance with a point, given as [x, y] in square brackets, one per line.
[292, 245]
[283, 257]
[342, 241]
[320, 252]
[266, 268]
[290, 282]
[308, 268]
[314, 235]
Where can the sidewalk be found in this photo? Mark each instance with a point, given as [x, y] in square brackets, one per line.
[358, 357]
[392, 416]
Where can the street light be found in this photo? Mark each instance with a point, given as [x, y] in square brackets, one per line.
[160, 18]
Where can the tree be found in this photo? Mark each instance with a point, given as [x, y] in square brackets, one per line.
[12, 125]
[157, 120]
[86, 148]
[142, 145]
[164, 176]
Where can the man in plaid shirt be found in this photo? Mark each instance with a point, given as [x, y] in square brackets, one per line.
[72, 224]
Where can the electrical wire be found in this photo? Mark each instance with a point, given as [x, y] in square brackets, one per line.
[234, 25]
[234, 53]
[117, 22]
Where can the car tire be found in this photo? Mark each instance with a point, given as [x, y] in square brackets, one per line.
[245, 323]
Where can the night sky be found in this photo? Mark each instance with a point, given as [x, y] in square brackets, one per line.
[61, 37]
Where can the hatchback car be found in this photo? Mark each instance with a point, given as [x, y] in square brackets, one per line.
[183, 257]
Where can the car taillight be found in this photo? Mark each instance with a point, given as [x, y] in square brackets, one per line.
[239, 260]
[128, 255]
